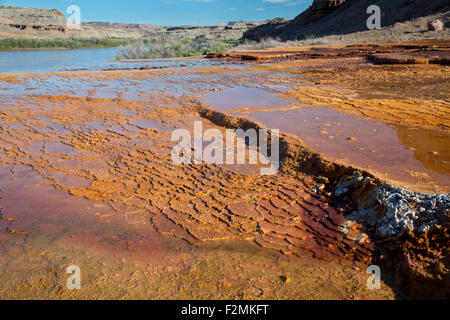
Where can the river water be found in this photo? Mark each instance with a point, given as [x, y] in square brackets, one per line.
[100, 59]
[34, 61]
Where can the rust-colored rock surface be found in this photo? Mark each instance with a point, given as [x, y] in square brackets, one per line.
[87, 178]
[422, 263]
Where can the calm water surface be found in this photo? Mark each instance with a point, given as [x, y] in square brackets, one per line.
[34, 61]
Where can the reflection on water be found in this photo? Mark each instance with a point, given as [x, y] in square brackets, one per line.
[401, 153]
[242, 97]
[149, 124]
[53, 60]
[102, 59]
[431, 147]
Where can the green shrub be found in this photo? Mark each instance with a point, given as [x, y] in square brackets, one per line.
[63, 43]
[171, 49]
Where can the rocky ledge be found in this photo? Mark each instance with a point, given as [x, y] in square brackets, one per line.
[413, 229]
[410, 230]
[32, 19]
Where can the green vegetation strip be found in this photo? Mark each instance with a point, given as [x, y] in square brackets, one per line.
[172, 49]
[12, 44]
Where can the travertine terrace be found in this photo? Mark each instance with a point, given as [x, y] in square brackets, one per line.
[87, 177]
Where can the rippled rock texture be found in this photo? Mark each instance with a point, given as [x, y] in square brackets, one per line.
[104, 138]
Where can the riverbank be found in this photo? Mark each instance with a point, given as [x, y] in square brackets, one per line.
[12, 44]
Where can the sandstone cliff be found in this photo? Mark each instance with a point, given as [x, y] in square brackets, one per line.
[17, 22]
[229, 31]
[330, 17]
[322, 18]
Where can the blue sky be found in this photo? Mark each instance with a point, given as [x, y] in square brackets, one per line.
[173, 12]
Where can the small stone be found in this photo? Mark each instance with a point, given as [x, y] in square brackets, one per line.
[435, 25]
[351, 139]
[285, 279]
[223, 284]
[433, 203]
[423, 228]
[350, 181]
[439, 268]
[362, 238]
[320, 187]
[340, 191]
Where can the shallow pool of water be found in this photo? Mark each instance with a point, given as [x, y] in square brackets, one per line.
[244, 97]
[397, 153]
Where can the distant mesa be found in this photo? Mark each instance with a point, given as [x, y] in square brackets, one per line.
[322, 18]
[31, 20]
[32, 23]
